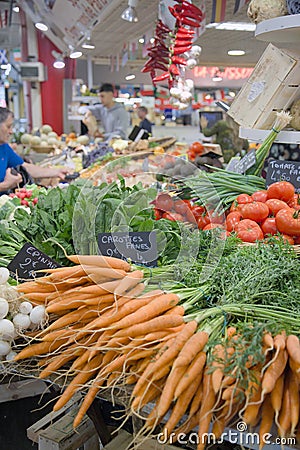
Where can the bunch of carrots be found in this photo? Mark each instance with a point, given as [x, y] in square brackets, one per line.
[104, 331]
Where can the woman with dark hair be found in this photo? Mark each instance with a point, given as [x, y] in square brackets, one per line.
[9, 159]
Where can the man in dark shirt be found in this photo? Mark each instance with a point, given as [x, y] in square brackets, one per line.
[142, 111]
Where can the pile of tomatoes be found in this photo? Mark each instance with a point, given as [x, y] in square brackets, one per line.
[195, 149]
[26, 197]
[271, 212]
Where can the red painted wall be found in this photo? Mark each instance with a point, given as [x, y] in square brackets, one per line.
[52, 89]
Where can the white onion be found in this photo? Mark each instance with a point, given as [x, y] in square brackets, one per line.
[25, 308]
[38, 315]
[5, 348]
[4, 308]
[4, 275]
[7, 329]
[21, 321]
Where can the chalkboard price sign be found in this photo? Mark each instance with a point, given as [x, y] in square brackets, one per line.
[140, 247]
[284, 171]
[28, 261]
[246, 162]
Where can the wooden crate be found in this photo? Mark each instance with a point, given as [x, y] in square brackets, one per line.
[124, 439]
[273, 85]
[55, 431]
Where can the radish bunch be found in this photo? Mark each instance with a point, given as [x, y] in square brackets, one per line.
[15, 316]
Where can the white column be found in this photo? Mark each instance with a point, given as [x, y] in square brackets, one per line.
[36, 104]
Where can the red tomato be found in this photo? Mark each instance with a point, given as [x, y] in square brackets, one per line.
[197, 148]
[269, 226]
[188, 203]
[286, 238]
[232, 220]
[295, 202]
[164, 202]
[216, 218]
[198, 211]
[283, 190]
[191, 155]
[276, 205]
[241, 199]
[174, 217]
[256, 211]
[244, 198]
[249, 231]
[203, 221]
[211, 226]
[288, 222]
[260, 196]
[157, 212]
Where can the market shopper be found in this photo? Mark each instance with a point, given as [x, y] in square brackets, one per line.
[10, 160]
[145, 123]
[113, 116]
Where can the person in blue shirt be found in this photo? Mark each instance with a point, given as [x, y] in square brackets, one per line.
[9, 159]
[145, 124]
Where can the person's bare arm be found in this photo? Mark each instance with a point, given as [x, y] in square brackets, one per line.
[45, 172]
[10, 181]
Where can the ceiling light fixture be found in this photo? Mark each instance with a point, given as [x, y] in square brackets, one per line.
[74, 54]
[130, 76]
[152, 40]
[217, 78]
[16, 9]
[88, 44]
[129, 14]
[236, 52]
[59, 60]
[141, 40]
[232, 26]
[41, 26]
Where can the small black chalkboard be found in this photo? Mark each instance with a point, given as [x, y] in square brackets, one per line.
[246, 162]
[232, 163]
[284, 171]
[28, 260]
[140, 247]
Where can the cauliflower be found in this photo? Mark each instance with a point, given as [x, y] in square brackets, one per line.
[260, 10]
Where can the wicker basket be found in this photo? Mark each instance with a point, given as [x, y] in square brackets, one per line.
[42, 148]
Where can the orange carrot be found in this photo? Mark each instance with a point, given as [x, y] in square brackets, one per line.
[284, 420]
[276, 396]
[196, 401]
[153, 309]
[181, 405]
[155, 324]
[206, 410]
[58, 361]
[293, 387]
[254, 398]
[218, 367]
[128, 282]
[293, 347]
[170, 353]
[190, 373]
[191, 348]
[268, 342]
[280, 341]
[167, 394]
[273, 372]
[100, 261]
[81, 378]
[267, 415]
[40, 348]
[72, 317]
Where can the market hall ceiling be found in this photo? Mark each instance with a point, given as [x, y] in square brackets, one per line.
[69, 19]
